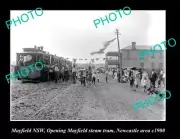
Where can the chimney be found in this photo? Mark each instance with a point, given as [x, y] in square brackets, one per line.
[34, 46]
[133, 45]
[42, 48]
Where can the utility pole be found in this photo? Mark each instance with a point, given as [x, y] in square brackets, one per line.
[119, 58]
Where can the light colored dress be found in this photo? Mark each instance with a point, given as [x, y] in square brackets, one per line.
[115, 76]
[137, 78]
[143, 76]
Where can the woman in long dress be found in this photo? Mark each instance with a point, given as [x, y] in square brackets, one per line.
[137, 79]
[144, 75]
[115, 76]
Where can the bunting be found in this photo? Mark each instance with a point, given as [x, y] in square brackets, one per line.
[74, 60]
[92, 60]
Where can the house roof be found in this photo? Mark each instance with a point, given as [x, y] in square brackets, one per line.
[141, 47]
[112, 53]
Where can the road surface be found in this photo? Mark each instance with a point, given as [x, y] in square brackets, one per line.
[67, 101]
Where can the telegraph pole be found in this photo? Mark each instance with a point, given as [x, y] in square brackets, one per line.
[119, 58]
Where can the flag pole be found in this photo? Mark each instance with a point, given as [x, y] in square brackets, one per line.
[119, 58]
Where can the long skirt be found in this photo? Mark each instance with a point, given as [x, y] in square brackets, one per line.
[137, 81]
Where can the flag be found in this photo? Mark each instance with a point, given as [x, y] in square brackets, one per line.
[92, 53]
[107, 43]
[101, 50]
[74, 60]
[92, 60]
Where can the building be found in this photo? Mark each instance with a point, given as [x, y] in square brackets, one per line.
[130, 58]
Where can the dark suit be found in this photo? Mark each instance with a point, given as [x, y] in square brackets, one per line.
[153, 78]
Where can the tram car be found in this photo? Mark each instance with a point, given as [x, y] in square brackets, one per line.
[30, 56]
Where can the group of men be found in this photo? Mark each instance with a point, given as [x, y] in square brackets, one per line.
[64, 74]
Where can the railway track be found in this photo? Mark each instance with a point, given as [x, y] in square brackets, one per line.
[25, 106]
[43, 88]
[64, 106]
[67, 89]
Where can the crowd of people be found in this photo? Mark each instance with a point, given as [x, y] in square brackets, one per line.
[85, 76]
[56, 74]
[138, 78]
[88, 76]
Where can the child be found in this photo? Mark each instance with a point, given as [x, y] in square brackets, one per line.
[82, 79]
[145, 84]
[131, 81]
[94, 78]
[151, 89]
[159, 81]
[98, 76]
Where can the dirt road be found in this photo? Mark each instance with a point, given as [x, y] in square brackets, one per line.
[103, 101]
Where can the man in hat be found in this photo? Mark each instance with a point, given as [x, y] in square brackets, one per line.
[153, 77]
[74, 74]
[51, 73]
[56, 73]
[119, 76]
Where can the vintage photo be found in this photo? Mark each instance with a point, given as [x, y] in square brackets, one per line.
[64, 68]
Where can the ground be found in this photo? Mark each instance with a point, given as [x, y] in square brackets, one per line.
[67, 101]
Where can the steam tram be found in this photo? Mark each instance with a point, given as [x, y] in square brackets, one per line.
[30, 56]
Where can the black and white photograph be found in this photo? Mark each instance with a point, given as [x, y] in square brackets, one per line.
[80, 65]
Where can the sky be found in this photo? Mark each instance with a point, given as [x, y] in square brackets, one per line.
[72, 34]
